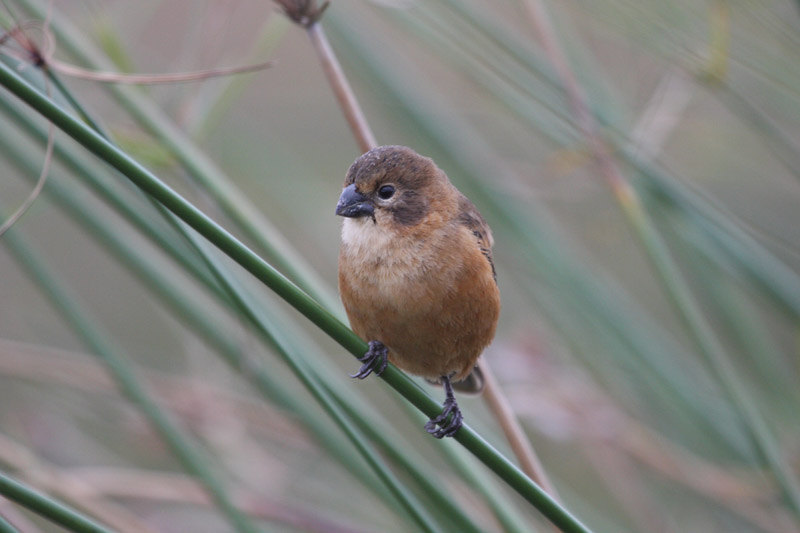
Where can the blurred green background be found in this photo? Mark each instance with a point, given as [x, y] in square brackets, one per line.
[634, 423]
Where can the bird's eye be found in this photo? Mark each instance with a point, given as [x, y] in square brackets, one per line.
[386, 192]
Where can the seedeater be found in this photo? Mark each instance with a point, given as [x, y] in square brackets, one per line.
[415, 272]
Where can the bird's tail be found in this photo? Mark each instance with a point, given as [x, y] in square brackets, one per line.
[472, 384]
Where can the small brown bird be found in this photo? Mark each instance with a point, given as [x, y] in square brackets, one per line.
[415, 272]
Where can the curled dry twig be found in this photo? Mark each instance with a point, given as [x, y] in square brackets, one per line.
[18, 35]
[150, 79]
[43, 56]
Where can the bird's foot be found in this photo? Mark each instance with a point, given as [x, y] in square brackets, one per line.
[375, 360]
[449, 421]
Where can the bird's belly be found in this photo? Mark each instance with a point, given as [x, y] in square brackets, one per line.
[434, 321]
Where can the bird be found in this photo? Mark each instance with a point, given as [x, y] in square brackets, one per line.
[416, 274]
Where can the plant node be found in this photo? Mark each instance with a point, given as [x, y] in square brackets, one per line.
[303, 12]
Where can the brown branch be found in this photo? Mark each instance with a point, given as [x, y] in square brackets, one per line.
[540, 20]
[520, 444]
[307, 14]
[341, 89]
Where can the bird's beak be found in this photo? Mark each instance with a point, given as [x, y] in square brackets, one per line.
[353, 204]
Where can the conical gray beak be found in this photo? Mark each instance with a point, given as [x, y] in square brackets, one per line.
[353, 204]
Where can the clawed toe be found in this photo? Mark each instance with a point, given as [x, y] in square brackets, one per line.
[449, 421]
[375, 360]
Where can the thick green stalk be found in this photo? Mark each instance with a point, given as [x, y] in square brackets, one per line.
[505, 513]
[56, 512]
[281, 286]
[385, 437]
[87, 329]
[280, 336]
[263, 381]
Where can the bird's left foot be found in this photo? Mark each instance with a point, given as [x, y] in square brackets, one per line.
[375, 360]
[450, 419]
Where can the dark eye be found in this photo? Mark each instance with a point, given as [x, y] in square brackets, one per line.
[386, 192]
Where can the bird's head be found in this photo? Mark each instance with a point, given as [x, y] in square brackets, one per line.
[393, 186]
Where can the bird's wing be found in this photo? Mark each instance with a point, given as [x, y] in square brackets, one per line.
[470, 217]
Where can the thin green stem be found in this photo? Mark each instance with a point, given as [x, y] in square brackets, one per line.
[431, 486]
[86, 327]
[769, 271]
[143, 221]
[199, 166]
[663, 263]
[193, 313]
[689, 310]
[56, 512]
[508, 518]
[6, 526]
[229, 89]
[283, 288]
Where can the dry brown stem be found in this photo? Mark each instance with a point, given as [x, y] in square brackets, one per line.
[341, 89]
[519, 442]
[603, 157]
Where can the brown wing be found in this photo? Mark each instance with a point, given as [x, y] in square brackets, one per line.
[471, 218]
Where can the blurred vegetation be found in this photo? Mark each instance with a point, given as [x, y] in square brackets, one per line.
[652, 357]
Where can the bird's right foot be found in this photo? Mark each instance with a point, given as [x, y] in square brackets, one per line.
[450, 420]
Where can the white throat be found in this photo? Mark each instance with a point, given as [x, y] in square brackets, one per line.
[363, 236]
